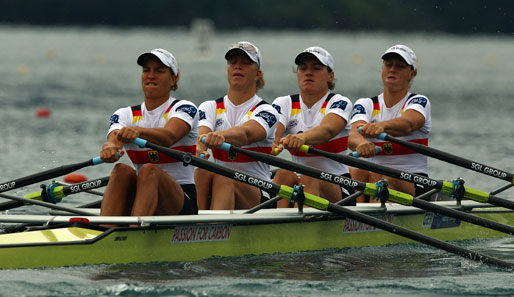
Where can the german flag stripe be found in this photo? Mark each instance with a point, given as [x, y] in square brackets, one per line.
[150, 156]
[392, 149]
[333, 146]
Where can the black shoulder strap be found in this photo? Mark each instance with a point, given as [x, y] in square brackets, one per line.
[135, 108]
[174, 102]
[261, 103]
[219, 100]
[295, 97]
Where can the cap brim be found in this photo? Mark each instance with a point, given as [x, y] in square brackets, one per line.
[231, 51]
[142, 58]
[402, 55]
[300, 56]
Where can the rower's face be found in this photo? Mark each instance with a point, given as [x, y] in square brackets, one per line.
[156, 78]
[313, 77]
[396, 73]
[242, 71]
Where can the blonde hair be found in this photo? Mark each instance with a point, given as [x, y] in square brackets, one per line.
[175, 86]
[259, 84]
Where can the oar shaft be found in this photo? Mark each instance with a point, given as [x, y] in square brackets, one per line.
[450, 158]
[85, 186]
[395, 229]
[501, 202]
[49, 205]
[394, 196]
[366, 165]
[189, 159]
[444, 186]
[59, 192]
[310, 171]
[323, 204]
[47, 174]
[449, 212]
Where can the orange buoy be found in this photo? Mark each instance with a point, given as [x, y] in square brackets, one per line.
[74, 178]
[43, 112]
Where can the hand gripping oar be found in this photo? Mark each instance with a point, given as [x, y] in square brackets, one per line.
[47, 174]
[54, 192]
[322, 204]
[369, 188]
[444, 186]
[453, 159]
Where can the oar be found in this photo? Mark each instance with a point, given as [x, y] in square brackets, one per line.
[47, 174]
[54, 193]
[444, 186]
[369, 188]
[46, 204]
[453, 159]
[322, 204]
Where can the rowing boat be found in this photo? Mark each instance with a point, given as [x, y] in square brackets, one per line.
[77, 237]
[67, 239]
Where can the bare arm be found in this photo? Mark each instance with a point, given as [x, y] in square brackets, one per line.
[357, 142]
[409, 122]
[329, 127]
[279, 132]
[249, 132]
[112, 149]
[172, 132]
[200, 147]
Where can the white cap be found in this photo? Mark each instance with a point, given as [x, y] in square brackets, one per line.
[320, 53]
[163, 55]
[249, 49]
[406, 53]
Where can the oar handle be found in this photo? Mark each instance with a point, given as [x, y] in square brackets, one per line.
[224, 146]
[96, 160]
[140, 142]
[380, 136]
[356, 155]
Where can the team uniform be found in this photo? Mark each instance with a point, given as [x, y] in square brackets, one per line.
[297, 118]
[373, 110]
[139, 116]
[221, 114]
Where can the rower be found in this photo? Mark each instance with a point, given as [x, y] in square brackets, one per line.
[240, 118]
[316, 117]
[159, 185]
[398, 112]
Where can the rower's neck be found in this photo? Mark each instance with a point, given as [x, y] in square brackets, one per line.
[153, 103]
[391, 98]
[310, 99]
[238, 97]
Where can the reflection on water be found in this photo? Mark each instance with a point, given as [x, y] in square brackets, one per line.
[390, 262]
